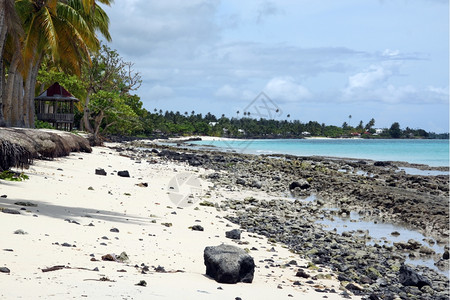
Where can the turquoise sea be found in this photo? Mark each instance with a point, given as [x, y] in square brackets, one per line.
[429, 152]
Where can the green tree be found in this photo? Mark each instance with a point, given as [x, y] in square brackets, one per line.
[370, 124]
[110, 80]
[395, 131]
[62, 31]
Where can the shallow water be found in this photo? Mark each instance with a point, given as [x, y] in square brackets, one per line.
[414, 171]
[379, 232]
[430, 152]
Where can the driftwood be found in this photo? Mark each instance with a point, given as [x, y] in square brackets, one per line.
[60, 267]
[19, 146]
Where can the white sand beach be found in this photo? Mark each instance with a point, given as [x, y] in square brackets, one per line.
[71, 227]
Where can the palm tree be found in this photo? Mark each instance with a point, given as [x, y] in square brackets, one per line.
[10, 25]
[65, 32]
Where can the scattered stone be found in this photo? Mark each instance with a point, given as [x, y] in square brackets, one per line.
[4, 196]
[109, 257]
[395, 233]
[301, 273]
[445, 255]
[302, 184]
[228, 264]
[21, 203]
[142, 283]
[234, 234]
[123, 174]
[197, 228]
[142, 184]
[5, 270]
[10, 211]
[114, 230]
[20, 231]
[123, 257]
[409, 277]
[100, 172]
[160, 269]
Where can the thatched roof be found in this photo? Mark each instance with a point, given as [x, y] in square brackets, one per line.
[18, 146]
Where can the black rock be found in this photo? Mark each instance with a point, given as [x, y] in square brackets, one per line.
[240, 181]
[5, 270]
[100, 171]
[22, 203]
[123, 174]
[445, 255]
[409, 277]
[197, 228]
[234, 234]
[10, 211]
[301, 273]
[381, 163]
[114, 230]
[302, 184]
[228, 264]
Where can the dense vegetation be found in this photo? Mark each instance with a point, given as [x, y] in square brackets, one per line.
[47, 41]
[114, 110]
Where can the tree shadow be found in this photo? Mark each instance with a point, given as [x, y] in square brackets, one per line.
[70, 212]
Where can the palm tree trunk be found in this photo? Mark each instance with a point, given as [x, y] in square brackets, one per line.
[28, 101]
[17, 103]
[86, 115]
[3, 31]
[31, 107]
[9, 88]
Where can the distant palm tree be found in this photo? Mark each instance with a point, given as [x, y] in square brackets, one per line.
[193, 112]
[237, 113]
[245, 113]
[155, 110]
[288, 116]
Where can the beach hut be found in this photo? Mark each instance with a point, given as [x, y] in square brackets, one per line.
[55, 106]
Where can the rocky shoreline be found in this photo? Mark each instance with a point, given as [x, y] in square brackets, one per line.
[380, 191]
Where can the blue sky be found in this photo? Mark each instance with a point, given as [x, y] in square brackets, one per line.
[316, 60]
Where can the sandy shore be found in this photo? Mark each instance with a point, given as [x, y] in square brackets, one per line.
[71, 227]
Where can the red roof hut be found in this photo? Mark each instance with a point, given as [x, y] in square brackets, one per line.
[55, 105]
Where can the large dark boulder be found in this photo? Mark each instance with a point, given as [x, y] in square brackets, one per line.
[229, 264]
[409, 277]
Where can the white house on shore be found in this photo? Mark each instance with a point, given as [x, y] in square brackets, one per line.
[378, 131]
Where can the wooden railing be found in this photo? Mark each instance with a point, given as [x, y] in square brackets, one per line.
[56, 118]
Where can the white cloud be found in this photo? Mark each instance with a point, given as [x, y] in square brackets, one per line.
[226, 91]
[158, 92]
[375, 84]
[368, 78]
[286, 89]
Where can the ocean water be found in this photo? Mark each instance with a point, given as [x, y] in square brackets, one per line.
[429, 152]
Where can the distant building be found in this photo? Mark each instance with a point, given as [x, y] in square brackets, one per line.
[212, 124]
[306, 133]
[241, 131]
[379, 131]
